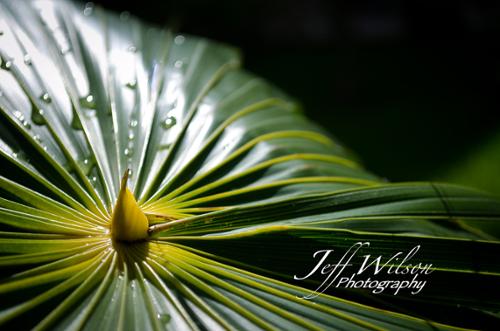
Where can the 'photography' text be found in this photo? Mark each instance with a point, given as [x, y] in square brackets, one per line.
[380, 274]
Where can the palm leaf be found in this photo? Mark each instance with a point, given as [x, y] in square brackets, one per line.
[238, 187]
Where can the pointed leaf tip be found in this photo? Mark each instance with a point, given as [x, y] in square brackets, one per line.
[128, 222]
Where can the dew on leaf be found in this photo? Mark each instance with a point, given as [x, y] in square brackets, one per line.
[128, 151]
[5, 64]
[65, 50]
[179, 40]
[124, 16]
[133, 123]
[132, 84]
[75, 121]
[27, 59]
[45, 97]
[165, 146]
[17, 114]
[164, 318]
[89, 9]
[37, 116]
[88, 101]
[169, 122]
[86, 165]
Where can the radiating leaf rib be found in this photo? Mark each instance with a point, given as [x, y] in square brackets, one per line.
[19, 246]
[93, 278]
[275, 184]
[15, 206]
[195, 281]
[123, 289]
[275, 135]
[69, 283]
[156, 279]
[22, 221]
[255, 168]
[216, 76]
[72, 260]
[153, 314]
[53, 119]
[71, 80]
[84, 314]
[43, 202]
[170, 277]
[255, 107]
[57, 167]
[105, 316]
[389, 200]
[53, 188]
[41, 257]
[192, 272]
[52, 276]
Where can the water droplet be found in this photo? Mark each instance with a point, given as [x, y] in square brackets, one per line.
[37, 116]
[131, 135]
[93, 179]
[133, 123]
[17, 114]
[37, 138]
[165, 146]
[88, 101]
[86, 165]
[27, 59]
[124, 16]
[45, 97]
[89, 9]
[44, 147]
[169, 122]
[20, 116]
[65, 50]
[163, 318]
[128, 151]
[179, 40]
[132, 84]
[75, 121]
[132, 49]
[5, 64]
[14, 155]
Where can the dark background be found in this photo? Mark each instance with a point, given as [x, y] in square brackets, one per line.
[412, 87]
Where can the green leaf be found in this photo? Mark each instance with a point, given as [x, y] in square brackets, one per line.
[238, 188]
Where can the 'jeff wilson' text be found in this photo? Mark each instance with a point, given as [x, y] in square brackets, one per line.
[342, 274]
